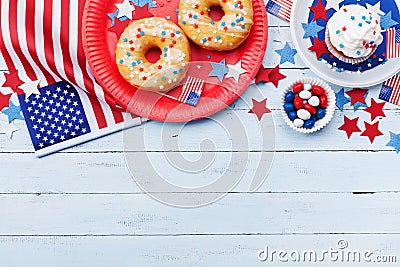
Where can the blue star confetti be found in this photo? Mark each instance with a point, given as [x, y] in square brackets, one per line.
[219, 70]
[142, 3]
[387, 22]
[394, 141]
[311, 29]
[358, 105]
[341, 99]
[114, 15]
[287, 54]
[13, 112]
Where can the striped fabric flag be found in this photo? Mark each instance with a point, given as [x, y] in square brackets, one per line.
[392, 43]
[390, 91]
[42, 41]
[191, 91]
[280, 8]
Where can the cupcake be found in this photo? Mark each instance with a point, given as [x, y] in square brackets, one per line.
[353, 34]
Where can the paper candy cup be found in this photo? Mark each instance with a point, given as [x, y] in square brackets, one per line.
[330, 109]
[340, 56]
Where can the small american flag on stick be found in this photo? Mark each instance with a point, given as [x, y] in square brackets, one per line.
[392, 43]
[390, 91]
[280, 8]
[191, 92]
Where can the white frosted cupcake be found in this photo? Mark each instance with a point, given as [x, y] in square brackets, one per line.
[353, 33]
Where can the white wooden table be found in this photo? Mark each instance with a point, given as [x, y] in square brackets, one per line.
[80, 207]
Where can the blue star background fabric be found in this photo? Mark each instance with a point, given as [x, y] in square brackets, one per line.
[54, 116]
[391, 16]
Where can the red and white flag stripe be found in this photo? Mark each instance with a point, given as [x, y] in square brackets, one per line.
[392, 45]
[43, 41]
[394, 83]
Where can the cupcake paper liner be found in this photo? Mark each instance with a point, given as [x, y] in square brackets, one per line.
[349, 60]
[330, 109]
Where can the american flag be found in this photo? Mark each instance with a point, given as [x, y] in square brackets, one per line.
[43, 41]
[392, 43]
[191, 91]
[280, 8]
[390, 91]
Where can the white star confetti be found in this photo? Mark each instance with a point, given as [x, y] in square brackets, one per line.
[235, 71]
[333, 4]
[284, 36]
[125, 9]
[30, 87]
[8, 129]
[376, 8]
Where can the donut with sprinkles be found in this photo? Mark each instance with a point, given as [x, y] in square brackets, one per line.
[137, 39]
[225, 34]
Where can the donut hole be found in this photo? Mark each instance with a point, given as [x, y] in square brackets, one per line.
[216, 12]
[153, 54]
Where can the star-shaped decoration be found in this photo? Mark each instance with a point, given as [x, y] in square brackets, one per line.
[12, 80]
[114, 15]
[141, 3]
[359, 104]
[259, 108]
[341, 99]
[357, 95]
[142, 12]
[394, 141]
[333, 4]
[13, 112]
[350, 126]
[125, 9]
[218, 70]
[319, 11]
[375, 8]
[234, 71]
[387, 22]
[372, 131]
[319, 47]
[4, 100]
[270, 75]
[284, 36]
[376, 109]
[30, 87]
[311, 29]
[8, 129]
[287, 54]
[119, 27]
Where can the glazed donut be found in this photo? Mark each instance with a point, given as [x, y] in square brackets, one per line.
[226, 34]
[137, 39]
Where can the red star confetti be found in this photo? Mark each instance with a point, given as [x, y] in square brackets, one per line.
[350, 126]
[142, 12]
[357, 95]
[4, 100]
[319, 47]
[372, 131]
[12, 80]
[376, 109]
[259, 108]
[270, 75]
[119, 27]
[319, 11]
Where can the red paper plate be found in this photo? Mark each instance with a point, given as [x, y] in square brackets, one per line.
[100, 43]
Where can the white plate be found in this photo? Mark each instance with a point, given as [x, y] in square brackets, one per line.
[300, 13]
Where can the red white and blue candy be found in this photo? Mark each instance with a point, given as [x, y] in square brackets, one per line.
[305, 104]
